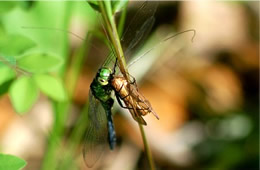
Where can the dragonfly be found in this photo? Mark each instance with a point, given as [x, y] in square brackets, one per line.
[100, 130]
[108, 79]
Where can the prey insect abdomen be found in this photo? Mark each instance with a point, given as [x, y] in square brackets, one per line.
[133, 100]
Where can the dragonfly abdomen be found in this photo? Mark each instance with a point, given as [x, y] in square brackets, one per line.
[110, 125]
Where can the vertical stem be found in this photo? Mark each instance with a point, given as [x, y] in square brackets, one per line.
[146, 148]
[121, 23]
[60, 110]
[106, 12]
[111, 28]
[78, 131]
[76, 65]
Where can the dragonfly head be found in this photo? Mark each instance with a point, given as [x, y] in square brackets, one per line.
[104, 75]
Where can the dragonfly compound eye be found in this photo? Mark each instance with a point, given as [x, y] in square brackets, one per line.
[105, 72]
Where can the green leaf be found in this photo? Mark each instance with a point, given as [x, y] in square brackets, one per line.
[23, 93]
[5, 87]
[39, 63]
[26, 5]
[13, 45]
[6, 73]
[51, 86]
[2, 29]
[118, 5]
[8, 61]
[6, 6]
[10, 162]
[94, 5]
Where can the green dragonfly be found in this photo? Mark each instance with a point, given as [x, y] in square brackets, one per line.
[100, 130]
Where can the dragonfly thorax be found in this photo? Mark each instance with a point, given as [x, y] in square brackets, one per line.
[100, 87]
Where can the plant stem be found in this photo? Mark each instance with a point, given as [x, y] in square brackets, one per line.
[78, 131]
[121, 23]
[76, 65]
[146, 148]
[60, 110]
[111, 28]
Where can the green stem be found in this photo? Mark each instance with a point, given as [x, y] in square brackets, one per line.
[111, 28]
[121, 23]
[75, 140]
[60, 110]
[146, 148]
[79, 130]
[76, 65]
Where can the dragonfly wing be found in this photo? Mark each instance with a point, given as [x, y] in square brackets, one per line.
[96, 135]
[136, 31]
[139, 27]
[110, 60]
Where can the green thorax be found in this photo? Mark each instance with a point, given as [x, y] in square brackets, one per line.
[100, 86]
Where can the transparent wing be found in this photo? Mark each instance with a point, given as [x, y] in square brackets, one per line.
[137, 30]
[139, 27]
[96, 135]
[110, 60]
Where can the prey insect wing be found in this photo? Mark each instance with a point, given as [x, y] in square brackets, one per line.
[131, 107]
[133, 100]
[142, 105]
[137, 117]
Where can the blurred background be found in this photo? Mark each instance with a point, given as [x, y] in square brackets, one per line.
[205, 91]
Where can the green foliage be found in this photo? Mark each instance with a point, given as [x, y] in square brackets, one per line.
[94, 5]
[51, 86]
[6, 73]
[23, 93]
[6, 6]
[39, 63]
[10, 162]
[2, 29]
[44, 53]
[26, 4]
[5, 87]
[116, 5]
[13, 45]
